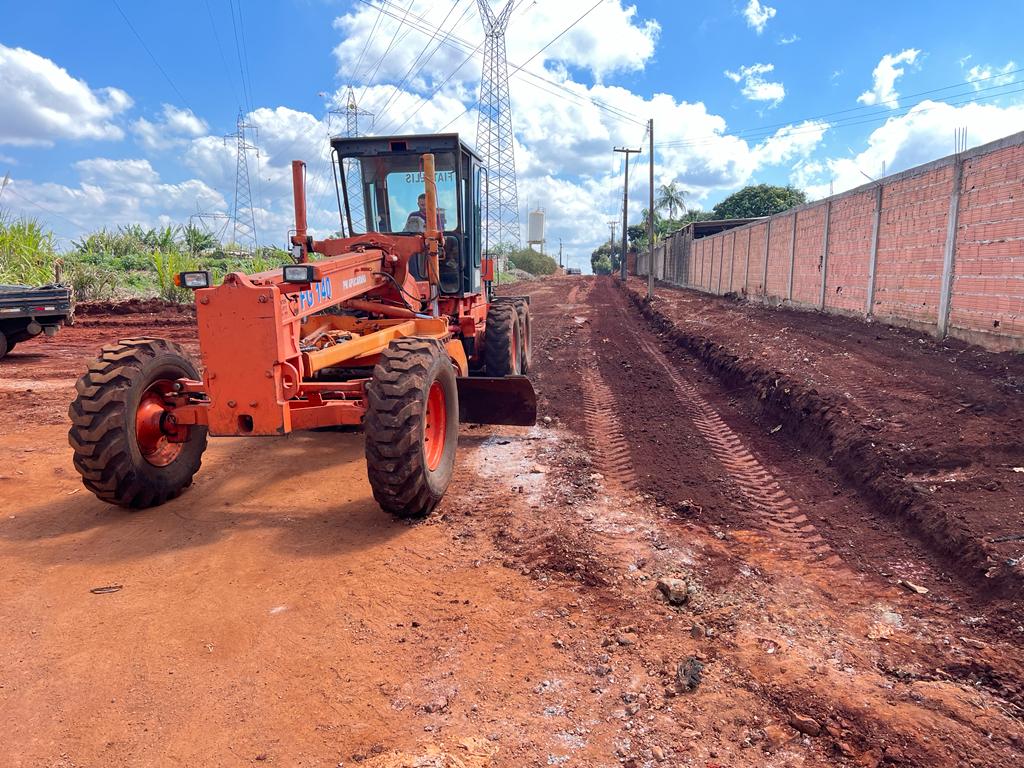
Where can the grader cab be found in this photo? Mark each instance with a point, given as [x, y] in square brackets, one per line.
[391, 328]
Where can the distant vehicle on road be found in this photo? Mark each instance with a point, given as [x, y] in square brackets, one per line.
[26, 311]
[573, 271]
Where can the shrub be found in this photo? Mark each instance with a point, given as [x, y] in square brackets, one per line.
[27, 253]
[168, 264]
[90, 282]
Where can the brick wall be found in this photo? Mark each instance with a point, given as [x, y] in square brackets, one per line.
[963, 278]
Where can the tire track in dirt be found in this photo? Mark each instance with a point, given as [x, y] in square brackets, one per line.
[604, 433]
[759, 487]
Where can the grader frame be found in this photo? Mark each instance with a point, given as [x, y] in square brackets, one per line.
[364, 335]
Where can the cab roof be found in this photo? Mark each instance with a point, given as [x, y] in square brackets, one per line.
[373, 146]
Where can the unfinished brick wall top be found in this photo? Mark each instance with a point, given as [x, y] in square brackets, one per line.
[849, 245]
[988, 288]
[982, 291]
[911, 240]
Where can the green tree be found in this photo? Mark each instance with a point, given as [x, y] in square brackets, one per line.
[759, 200]
[604, 260]
[532, 261]
[671, 197]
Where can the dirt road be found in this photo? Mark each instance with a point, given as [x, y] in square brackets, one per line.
[272, 615]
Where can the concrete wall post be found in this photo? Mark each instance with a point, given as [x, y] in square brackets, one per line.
[824, 255]
[732, 260]
[949, 251]
[792, 259]
[873, 262]
[767, 244]
[721, 264]
[746, 266]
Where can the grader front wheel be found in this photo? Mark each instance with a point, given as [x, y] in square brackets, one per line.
[502, 340]
[411, 427]
[127, 447]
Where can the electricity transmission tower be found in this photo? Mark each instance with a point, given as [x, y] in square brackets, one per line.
[244, 217]
[352, 169]
[494, 138]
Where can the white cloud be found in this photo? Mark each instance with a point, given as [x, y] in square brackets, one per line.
[791, 141]
[755, 87]
[112, 192]
[986, 75]
[883, 92]
[173, 130]
[585, 45]
[758, 15]
[789, 40]
[42, 103]
[925, 133]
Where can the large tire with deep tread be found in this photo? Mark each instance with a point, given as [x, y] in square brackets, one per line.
[409, 474]
[526, 335]
[103, 424]
[502, 344]
[5, 346]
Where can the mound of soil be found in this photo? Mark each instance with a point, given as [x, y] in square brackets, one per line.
[929, 430]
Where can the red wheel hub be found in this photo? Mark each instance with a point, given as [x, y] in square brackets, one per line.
[159, 438]
[435, 426]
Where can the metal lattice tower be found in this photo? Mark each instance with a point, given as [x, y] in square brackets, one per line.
[494, 138]
[244, 217]
[352, 169]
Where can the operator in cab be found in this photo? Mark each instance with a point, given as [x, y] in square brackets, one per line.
[417, 221]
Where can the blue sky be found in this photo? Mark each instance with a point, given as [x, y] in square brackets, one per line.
[94, 134]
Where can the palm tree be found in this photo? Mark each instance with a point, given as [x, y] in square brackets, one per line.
[671, 197]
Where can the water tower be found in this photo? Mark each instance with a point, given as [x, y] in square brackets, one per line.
[535, 229]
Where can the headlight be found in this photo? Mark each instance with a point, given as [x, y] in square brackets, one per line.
[299, 273]
[194, 280]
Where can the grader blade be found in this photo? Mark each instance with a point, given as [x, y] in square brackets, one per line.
[497, 400]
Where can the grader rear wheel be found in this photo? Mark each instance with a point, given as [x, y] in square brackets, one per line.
[128, 449]
[411, 426]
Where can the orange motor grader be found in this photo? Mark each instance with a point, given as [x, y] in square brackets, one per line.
[392, 328]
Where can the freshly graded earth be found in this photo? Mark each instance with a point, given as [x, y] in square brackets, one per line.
[682, 564]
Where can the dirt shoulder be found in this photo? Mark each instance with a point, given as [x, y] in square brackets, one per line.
[931, 430]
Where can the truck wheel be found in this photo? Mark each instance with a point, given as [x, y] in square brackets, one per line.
[127, 450]
[5, 346]
[411, 426]
[502, 345]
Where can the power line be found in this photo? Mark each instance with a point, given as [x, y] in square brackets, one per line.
[245, 54]
[885, 112]
[535, 55]
[146, 47]
[220, 47]
[850, 122]
[13, 191]
[369, 38]
[247, 101]
[422, 25]
[376, 67]
[410, 73]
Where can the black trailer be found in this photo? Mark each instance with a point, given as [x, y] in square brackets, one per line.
[26, 312]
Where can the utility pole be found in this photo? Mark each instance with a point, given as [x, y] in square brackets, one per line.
[611, 228]
[560, 252]
[650, 216]
[625, 209]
